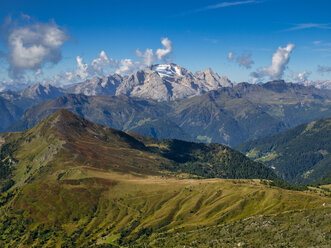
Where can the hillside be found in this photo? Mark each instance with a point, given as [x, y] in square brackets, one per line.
[70, 138]
[228, 115]
[68, 182]
[299, 155]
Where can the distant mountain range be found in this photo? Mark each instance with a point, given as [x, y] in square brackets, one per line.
[299, 155]
[158, 82]
[227, 115]
[320, 84]
[14, 103]
[5, 86]
[168, 101]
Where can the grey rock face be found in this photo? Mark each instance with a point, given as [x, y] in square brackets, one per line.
[165, 82]
[97, 86]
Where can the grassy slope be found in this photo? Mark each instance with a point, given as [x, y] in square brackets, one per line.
[119, 209]
[85, 189]
[302, 154]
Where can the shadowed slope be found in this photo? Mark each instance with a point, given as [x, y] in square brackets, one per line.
[300, 155]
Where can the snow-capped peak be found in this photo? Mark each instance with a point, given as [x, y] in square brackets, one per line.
[168, 70]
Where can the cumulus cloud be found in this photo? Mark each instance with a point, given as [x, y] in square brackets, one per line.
[245, 60]
[98, 64]
[128, 66]
[323, 69]
[301, 77]
[161, 54]
[82, 69]
[103, 65]
[31, 45]
[148, 56]
[278, 65]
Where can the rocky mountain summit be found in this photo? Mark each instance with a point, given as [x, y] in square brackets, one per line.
[97, 86]
[164, 82]
[37, 92]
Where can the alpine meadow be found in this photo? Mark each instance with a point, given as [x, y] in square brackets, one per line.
[165, 124]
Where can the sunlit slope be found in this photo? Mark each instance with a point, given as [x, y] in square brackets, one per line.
[111, 208]
[65, 140]
[68, 182]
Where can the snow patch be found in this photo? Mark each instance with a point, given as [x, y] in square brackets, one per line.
[167, 70]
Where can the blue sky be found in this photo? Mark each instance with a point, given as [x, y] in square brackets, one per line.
[202, 33]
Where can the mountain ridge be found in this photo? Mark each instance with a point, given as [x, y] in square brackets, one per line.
[227, 115]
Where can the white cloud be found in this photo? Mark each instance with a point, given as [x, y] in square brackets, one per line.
[104, 65]
[99, 65]
[81, 73]
[148, 56]
[38, 72]
[30, 46]
[279, 61]
[128, 66]
[231, 55]
[301, 77]
[82, 70]
[162, 54]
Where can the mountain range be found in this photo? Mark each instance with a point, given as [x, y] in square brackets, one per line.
[159, 82]
[69, 182]
[227, 115]
[14, 103]
[168, 101]
[320, 84]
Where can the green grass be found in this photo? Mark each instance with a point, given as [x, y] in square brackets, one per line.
[138, 209]
[78, 184]
[205, 139]
[267, 157]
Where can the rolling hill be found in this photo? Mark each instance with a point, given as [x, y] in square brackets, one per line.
[299, 155]
[68, 182]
